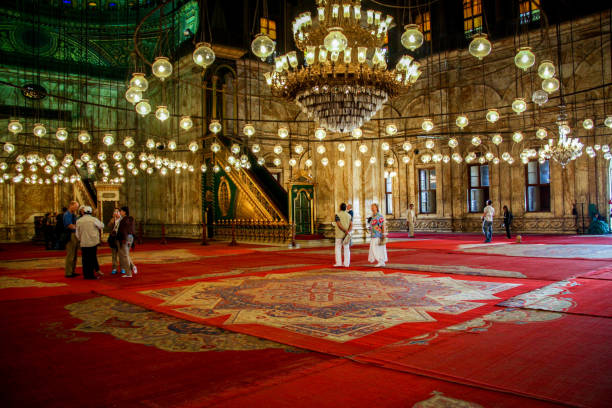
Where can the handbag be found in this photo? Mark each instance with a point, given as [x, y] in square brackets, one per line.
[112, 241]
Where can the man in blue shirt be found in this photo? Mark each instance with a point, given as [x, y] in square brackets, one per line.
[72, 243]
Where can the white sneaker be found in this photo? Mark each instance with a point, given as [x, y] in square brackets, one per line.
[380, 264]
[135, 270]
[337, 266]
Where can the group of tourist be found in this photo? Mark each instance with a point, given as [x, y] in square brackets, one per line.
[343, 225]
[82, 230]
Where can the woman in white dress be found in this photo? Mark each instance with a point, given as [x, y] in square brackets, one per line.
[378, 245]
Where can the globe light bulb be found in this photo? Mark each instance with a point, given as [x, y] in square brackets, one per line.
[108, 139]
[519, 106]
[497, 139]
[143, 107]
[453, 142]
[524, 58]
[235, 149]
[128, 142]
[480, 46]
[172, 145]
[299, 149]
[39, 130]
[61, 134]
[320, 133]
[203, 55]
[588, 124]
[262, 46]
[357, 163]
[292, 162]
[356, 133]
[341, 147]
[517, 137]
[214, 126]
[133, 95]
[162, 68]
[278, 149]
[608, 121]
[427, 125]
[539, 97]
[391, 129]
[321, 149]
[546, 70]
[15, 127]
[9, 148]
[476, 141]
[461, 121]
[256, 148]
[283, 132]
[84, 137]
[193, 146]
[363, 148]
[186, 123]
[139, 82]
[412, 38]
[541, 133]
[162, 113]
[215, 147]
[550, 85]
[492, 115]
[277, 162]
[430, 144]
[407, 146]
[385, 146]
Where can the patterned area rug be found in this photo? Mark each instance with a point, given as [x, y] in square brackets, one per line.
[325, 303]
[544, 250]
[138, 325]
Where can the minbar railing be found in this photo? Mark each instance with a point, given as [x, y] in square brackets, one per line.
[252, 230]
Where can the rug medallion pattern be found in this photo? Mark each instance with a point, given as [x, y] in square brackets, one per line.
[326, 303]
[138, 325]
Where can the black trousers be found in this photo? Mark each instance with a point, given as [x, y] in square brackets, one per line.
[507, 230]
[90, 261]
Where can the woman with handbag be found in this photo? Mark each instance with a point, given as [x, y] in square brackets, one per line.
[378, 244]
[112, 239]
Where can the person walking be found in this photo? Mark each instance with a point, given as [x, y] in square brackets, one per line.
[87, 232]
[112, 239]
[411, 219]
[343, 226]
[487, 221]
[378, 244]
[125, 238]
[507, 220]
[72, 243]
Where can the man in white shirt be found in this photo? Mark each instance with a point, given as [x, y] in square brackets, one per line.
[88, 233]
[487, 221]
[343, 226]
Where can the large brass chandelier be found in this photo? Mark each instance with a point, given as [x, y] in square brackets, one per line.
[565, 150]
[344, 80]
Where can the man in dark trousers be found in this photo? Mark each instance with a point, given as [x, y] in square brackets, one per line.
[507, 220]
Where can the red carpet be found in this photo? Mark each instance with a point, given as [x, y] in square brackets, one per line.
[341, 383]
[567, 359]
[47, 363]
[64, 346]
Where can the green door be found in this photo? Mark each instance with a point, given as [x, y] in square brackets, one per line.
[302, 204]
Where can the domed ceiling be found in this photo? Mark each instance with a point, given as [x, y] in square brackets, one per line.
[93, 37]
